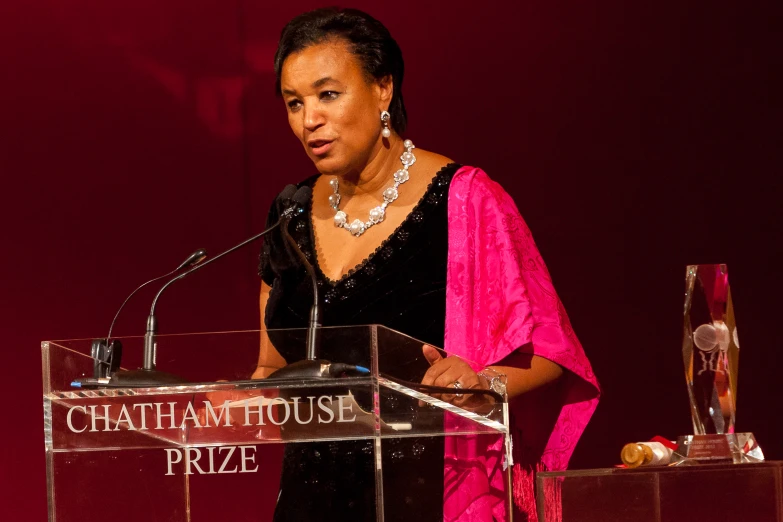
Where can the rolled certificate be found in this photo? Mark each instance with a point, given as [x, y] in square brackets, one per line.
[645, 454]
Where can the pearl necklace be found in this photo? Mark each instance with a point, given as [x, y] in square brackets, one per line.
[357, 227]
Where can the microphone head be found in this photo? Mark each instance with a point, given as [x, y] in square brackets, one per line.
[193, 259]
[302, 196]
[287, 193]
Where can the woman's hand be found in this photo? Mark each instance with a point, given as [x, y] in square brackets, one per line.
[451, 372]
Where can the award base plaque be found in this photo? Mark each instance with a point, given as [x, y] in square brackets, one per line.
[736, 448]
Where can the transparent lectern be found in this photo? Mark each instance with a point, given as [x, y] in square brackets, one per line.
[212, 449]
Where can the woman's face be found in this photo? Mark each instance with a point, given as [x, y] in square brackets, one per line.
[332, 108]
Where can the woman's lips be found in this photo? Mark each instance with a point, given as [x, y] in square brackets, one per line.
[320, 147]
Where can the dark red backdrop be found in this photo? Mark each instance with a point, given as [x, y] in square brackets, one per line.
[634, 139]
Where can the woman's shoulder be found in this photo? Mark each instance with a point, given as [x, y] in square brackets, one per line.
[433, 158]
[467, 182]
[431, 164]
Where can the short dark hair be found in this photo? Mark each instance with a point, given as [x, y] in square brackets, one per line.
[368, 39]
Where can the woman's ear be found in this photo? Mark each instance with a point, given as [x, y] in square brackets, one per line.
[385, 91]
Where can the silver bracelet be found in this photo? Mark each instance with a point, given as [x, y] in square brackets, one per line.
[495, 381]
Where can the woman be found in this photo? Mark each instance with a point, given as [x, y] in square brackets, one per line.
[407, 238]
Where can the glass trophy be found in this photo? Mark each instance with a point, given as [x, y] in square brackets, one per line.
[710, 349]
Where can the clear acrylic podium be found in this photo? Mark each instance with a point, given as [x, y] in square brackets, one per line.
[211, 450]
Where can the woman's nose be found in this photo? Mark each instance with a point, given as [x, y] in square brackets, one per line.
[313, 117]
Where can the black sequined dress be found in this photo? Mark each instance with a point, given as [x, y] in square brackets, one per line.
[402, 285]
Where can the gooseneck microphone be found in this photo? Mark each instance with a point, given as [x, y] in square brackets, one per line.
[148, 375]
[193, 259]
[312, 339]
[311, 367]
[296, 200]
[107, 353]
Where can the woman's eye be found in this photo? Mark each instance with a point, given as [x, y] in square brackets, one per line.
[294, 104]
[329, 95]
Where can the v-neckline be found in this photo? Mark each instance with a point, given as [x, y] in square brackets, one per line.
[358, 267]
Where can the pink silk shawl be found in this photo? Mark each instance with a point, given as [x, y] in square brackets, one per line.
[499, 299]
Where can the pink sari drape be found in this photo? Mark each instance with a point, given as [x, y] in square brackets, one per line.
[500, 298]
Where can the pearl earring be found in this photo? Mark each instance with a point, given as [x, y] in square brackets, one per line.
[385, 117]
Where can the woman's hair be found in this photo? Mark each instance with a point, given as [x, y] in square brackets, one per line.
[367, 38]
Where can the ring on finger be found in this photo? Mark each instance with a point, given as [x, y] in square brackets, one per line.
[457, 385]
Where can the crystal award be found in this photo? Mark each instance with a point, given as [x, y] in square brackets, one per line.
[710, 350]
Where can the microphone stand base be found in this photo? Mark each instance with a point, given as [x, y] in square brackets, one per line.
[142, 378]
[306, 369]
